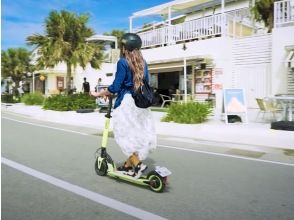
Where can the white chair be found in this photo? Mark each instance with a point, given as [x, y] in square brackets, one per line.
[165, 99]
[267, 106]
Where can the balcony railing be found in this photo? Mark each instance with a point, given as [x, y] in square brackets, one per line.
[194, 29]
[234, 23]
[284, 13]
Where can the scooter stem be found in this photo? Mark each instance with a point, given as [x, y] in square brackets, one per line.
[108, 114]
[106, 129]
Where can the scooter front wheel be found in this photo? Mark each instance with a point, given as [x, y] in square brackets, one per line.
[156, 182]
[103, 168]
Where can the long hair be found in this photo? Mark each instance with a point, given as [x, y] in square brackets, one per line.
[137, 64]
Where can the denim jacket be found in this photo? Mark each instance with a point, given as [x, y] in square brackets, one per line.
[123, 82]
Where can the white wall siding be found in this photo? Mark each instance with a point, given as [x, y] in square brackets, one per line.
[252, 50]
[92, 75]
[290, 84]
[251, 59]
[255, 80]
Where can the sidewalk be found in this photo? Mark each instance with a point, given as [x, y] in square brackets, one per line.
[253, 133]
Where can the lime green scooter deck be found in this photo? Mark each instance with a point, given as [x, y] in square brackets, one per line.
[141, 181]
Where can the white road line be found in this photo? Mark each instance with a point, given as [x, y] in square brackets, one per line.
[225, 155]
[106, 201]
[172, 147]
[44, 126]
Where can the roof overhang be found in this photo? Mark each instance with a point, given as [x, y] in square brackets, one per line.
[50, 71]
[177, 64]
[176, 5]
[103, 38]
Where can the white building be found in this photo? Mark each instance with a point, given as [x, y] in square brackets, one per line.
[214, 44]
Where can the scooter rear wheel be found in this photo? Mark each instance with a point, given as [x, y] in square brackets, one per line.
[103, 168]
[156, 182]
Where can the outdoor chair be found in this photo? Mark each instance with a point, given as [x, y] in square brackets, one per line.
[165, 99]
[267, 106]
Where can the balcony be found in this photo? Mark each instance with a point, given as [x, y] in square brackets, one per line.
[234, 24]
[284, 13]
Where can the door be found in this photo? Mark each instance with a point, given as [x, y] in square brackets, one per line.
[255, 79]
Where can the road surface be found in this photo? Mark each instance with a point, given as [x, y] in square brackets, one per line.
[48, 173]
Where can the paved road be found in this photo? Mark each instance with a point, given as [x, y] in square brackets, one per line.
[47, 173]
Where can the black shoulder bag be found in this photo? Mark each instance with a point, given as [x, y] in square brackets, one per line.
[144, 95]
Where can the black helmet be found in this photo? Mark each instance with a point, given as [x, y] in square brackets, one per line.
[131, 41]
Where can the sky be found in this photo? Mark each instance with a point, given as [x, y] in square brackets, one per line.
[22, 18]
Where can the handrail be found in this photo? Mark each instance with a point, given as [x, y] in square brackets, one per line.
[210, 26]
[283, 13]
[198, 28]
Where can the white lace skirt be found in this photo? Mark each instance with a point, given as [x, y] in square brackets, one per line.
[133, 128]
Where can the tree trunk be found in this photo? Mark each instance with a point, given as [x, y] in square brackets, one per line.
[68, 78]
[16, 79]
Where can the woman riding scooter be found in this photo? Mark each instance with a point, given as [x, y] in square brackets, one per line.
[133, 127]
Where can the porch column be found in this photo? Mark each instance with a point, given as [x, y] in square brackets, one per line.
[131, 24]
[169, 26]
[223, 6]
[185, 71]
[33, 82]
[185, 78]
[169, 16]
[252, 18]
[223, 17]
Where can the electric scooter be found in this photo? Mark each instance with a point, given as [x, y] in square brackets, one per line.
[156, 179]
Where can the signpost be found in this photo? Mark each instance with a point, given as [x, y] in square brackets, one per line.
[235, 104]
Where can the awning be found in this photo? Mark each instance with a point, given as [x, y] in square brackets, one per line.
[175, 5]
[49, 71]
[177, 64]
[103, 38]
[179, 7]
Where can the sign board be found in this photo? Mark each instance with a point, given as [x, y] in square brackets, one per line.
[60, 82]
[234, 103]
[218, 71]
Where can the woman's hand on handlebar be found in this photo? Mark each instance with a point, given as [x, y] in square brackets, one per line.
[95, 94]
[101, 93]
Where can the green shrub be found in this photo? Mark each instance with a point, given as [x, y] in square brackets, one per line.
[188, 113]
[35, 98]
[7, 98]
[70, 102]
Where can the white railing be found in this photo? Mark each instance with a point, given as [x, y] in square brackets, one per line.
[284, 13]
[214, 25]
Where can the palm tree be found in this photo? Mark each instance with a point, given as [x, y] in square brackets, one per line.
[65, 41]
[263, 10]
[16, 63]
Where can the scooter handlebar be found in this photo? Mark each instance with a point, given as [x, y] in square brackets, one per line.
[108, 114]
